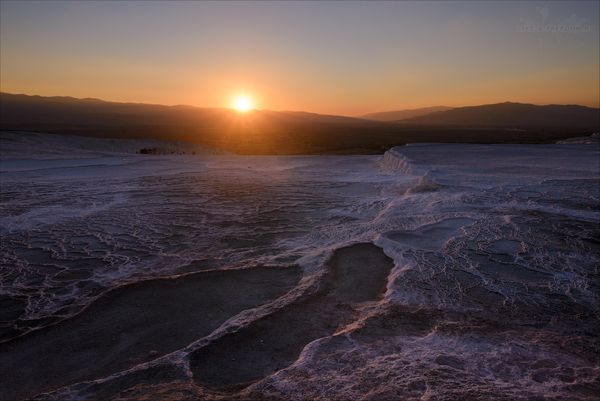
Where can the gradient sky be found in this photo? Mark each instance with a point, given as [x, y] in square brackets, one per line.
[326, 57]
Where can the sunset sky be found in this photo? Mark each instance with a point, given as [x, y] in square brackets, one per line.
[325, 57]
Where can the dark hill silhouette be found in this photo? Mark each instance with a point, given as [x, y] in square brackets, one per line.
[514, 115]
[398, 115]
[257, 132]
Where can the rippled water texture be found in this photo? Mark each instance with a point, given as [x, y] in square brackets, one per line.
[487, 287]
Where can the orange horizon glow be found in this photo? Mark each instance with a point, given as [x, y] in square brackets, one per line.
[381, 56]
[242, 109]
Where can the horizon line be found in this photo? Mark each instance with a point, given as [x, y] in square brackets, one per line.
[293, 111]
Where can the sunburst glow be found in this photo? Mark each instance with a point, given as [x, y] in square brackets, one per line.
[243, 104]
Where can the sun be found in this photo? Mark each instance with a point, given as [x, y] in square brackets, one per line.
[243, 104]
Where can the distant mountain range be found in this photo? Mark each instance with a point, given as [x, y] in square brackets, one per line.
[398, 115]
[513, 115]
[286, 132]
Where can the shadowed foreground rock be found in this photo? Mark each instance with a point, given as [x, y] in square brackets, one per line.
[134, 324]
[358, 274]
